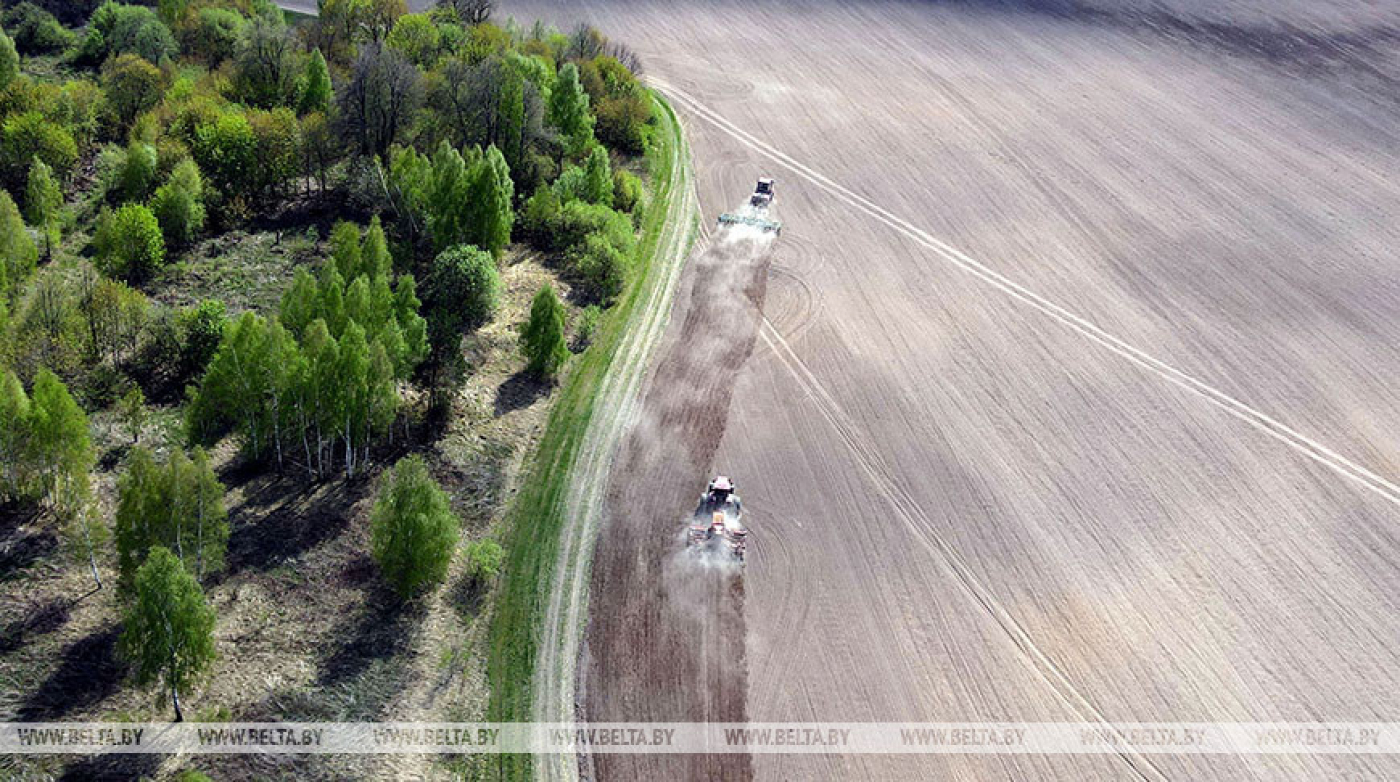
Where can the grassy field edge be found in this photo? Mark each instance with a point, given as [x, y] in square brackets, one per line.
[536, 515]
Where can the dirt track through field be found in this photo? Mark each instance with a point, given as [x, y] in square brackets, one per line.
[661, 621]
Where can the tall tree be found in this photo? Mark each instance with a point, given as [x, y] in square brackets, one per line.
[15, 442]
[42, 201]
[316, 90]
[413, 530]
[17, 251]
[598, 182]
[492, 193]
[168, 628]
[568, 111]
[542, 339]
[61, 444]
[178, 505]
[465, 291]
[379, 99]
[9, 61]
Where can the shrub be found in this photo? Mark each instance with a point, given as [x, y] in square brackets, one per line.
[227, 152]
[627, 191]
[26, 136]
[212, 34]
[129, 243]
[135, 175]
[179, 204]
[599, 266]
[542, 338]
[538, 216]
[17, 251]
[464, 290]
[412, 528]
[36, 31]
[577, 220]
[126, 29]
[484, 560]
[9, 61]
[201, 329]
[132, 85]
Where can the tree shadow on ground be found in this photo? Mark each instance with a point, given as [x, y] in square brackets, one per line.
[21, 547]
[381, 629]
[520, 390]
[39, 620]
[467, 596]
[88, 672]
[112, 767]
[280, 518]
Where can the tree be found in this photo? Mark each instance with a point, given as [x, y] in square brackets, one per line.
[202, 329]
[484, 560]
[178, 505]
[26, 136]
[492, 193]
[599, 266]
[213, 34]
[116, 29]
[598, 184]
[168, 629]
[417, 38]
[15, 437]
[464, 292]
[62, 449]
[412, 528]
[375, 260]
[131, 408]
[266, 66]
[379, 99]
[316, 87]
[43, 201]
[227, 152]
[568, 111]
[129, 243]
[135, 173]
[542, 339]
[9, 61]
[378, 17]
[17, 251]
[179, 204]
[471, 12]
[132, 85]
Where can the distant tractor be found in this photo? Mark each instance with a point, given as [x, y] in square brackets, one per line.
[718, 523]
[755, 213]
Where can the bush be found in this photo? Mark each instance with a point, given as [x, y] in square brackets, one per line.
[179, 204]
[36, 31]
[135, 175]
[542, 338]
[17, 251]
[126, 29]
[599, 267]
[464, 290]
[212, 34]
[129, 243]
[412, 528]
[26, 136]
[538, 216]
[484, 560]
[227, 152]
[9, 61]
[132, 85]
[201, 329]
[627, 191]
[577, 220]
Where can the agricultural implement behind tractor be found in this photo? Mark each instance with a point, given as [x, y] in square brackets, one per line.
[755, 213]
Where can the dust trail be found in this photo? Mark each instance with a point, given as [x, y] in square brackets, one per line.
[666, 638]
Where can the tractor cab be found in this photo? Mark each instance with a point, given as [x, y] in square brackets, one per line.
[762, 192]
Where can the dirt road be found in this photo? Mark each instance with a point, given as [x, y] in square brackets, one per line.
[1073, 396]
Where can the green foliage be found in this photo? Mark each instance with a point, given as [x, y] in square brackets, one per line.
[598, 186]
[116, 29]
[265, 66]
[455, 198]
[484, 560]
[568, 111]
[131, 409]
[168, 627]
[316, 85]
[59, 442]
[113, 316]
[464, 292]
[627, 191]
[179, 204]
[538, 216]
[212, 34]
[17, 251]
[277, 135]
[36, 31]
[578, 219]
[202, 330]
[227, 152]
[542, 338]
[129, 243]
[413, 529]
[599, 266]
[587, 325]
[623, 108]
[135, 175]
[16, 455]
[9, 61]
[26, 136]
[178, 505]
[132, 85]
[417, 38]
[43, 203]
